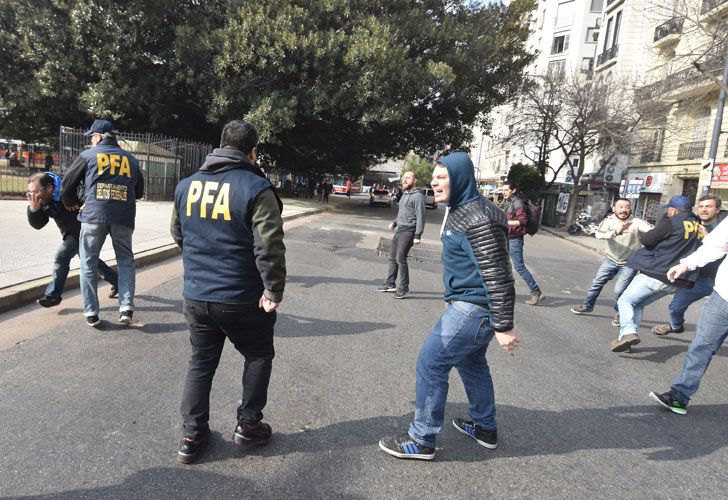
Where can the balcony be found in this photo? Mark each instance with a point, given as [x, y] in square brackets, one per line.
[607, 55]
[691, 150]
[683, 84]
[668, 32]
[712, 8]
[650, 156]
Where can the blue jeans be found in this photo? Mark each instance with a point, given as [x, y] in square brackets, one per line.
[710, 334]
[642, 291]
[92, 239]
[608, 270]
[459, 339]
[686, 296]
[515, 249]
[62, 264]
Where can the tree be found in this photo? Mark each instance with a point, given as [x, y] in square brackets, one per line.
[421, 167]
[332, 86]
[527, 178]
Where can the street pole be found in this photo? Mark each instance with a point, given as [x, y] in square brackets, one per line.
[717, 125]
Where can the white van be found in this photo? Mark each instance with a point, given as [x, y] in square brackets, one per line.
[429, 197]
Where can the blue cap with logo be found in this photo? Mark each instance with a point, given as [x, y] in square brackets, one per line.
[100, 127]
[679, 202]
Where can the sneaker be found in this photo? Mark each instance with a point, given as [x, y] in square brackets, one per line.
[125, 318]
[400, 294]
[626, 343]
[93, 321]
[405, 447]
[615, 320]
[257, 434]
[536, 297]
[190, 449]
[487, 438]
[668, 400]
[667, 328]
[581, 310]
[114, 292]
[48, 301]
[386, 288]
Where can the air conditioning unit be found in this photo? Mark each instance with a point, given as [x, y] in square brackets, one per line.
[610, 169]
[609, 178]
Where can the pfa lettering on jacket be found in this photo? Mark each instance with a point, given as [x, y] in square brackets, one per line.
[113, 192]
[210, 194]
[117, 164]
[690, 228]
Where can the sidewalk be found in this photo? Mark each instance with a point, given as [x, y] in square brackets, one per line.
[589, 242]
[26, 254]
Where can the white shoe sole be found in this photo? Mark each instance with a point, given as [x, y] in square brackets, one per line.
[417, 456]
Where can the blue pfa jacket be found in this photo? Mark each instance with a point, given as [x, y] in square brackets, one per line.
[474, 238]
[214, 210]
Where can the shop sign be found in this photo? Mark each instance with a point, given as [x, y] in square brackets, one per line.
[720, 175]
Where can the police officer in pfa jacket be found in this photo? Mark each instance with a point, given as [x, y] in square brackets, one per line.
[44, 203]
[674, 237]
[227, 220]
[112, 183]
[408, 228]
[480, 295]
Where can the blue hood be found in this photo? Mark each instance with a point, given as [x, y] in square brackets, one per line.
[463, 187]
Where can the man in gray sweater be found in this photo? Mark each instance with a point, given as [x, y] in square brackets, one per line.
[408, 228]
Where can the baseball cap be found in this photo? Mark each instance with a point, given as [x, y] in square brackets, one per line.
[679, 202]
[100, 127]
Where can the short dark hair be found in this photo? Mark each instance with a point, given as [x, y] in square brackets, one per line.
[511, 185]
[239, 134]
[44, 179]
[713, 197]
[621, 199]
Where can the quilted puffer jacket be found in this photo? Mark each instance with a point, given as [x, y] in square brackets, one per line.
[475, 257]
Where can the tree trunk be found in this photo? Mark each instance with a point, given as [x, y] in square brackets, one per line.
[572, 204]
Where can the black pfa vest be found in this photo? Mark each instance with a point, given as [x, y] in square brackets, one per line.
[214, 210]
[110, 182]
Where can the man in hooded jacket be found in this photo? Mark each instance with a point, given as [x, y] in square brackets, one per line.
[480, 295]
[227, 220]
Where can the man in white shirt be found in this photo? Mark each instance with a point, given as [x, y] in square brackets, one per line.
[622, 233]
[713, 324]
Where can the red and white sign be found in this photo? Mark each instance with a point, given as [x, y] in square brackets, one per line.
[720, 174]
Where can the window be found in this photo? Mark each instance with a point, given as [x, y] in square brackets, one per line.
[617, 22]
[587, 64]
[596, 5]
[565, 14]
[557, 68]
[606, 36]
[560, 44]
[592, 34]
[701, 123]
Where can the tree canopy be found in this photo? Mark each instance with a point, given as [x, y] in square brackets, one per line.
[330, 84]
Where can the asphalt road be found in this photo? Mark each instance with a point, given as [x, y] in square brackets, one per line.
[89, 414]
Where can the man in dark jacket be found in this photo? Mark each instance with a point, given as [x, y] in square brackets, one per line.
[112, 182]
[227, 220]
[44, 203]
[480, 295]
[674, 237]
[408, 229]
[515, 207]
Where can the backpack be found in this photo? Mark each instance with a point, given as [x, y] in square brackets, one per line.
[533, 215]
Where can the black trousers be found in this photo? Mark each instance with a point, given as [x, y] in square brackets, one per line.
[250, 329]
[399, 249]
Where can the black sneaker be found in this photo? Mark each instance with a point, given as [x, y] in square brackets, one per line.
[386, 288]
[93, 321]
[114, 292]
[483, 437]
[190, 449]
[405, 447]
[668, 400]
[48, 301]
[257, 434]
[400, 294]
[125, 318]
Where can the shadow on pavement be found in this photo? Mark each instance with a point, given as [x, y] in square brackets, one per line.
[291, 325]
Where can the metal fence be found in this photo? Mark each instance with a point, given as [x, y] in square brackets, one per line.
[164, 161]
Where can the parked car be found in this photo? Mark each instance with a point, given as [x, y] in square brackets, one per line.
[430, 197]
[380, 197]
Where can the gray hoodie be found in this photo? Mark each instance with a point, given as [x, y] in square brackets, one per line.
[411, 213]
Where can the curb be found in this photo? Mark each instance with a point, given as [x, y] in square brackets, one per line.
[559, 234]
[28, 291]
